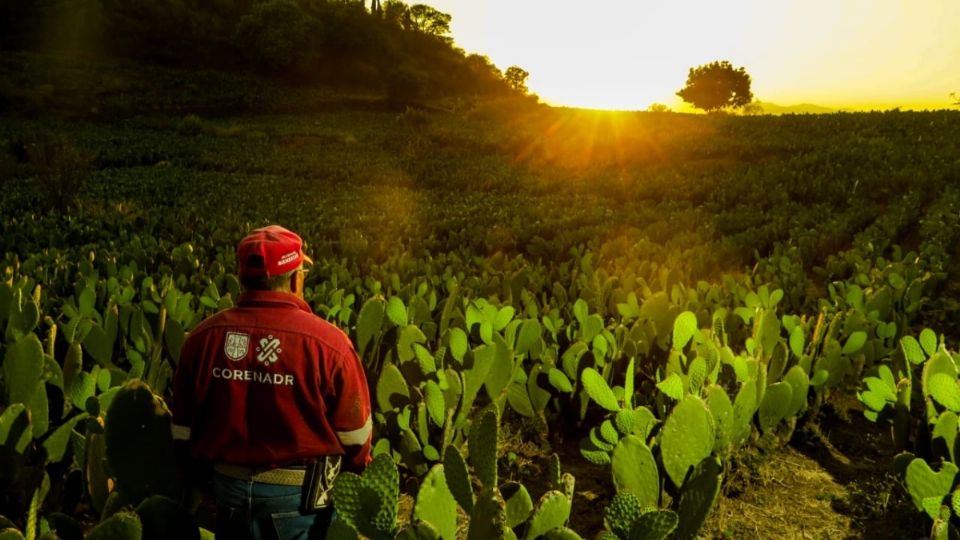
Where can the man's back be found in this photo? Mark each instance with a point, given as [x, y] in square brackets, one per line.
[268, 383]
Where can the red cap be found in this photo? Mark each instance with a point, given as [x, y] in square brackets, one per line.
[270, 251]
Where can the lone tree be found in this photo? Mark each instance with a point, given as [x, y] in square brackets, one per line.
[516, 77]
[717, 86]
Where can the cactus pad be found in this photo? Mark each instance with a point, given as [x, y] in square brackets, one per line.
[370, 502]
[923, 483]
[655, 525]
[518, 503]
[687, 438]
[419, 531]
[723, 418]
[122, 526]
[552, 511]
[635, 471]
[622, 512]
[488, 516]
[22, 369]
[436, 505]
[392, 390]
[684, 328]
[799, 383]
[482, 443]
[458, 478]
[164, 518]
[598, 389]
[697, 497]
[139, 445]
[775, 405]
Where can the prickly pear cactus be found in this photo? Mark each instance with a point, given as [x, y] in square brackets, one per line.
[654, 525]
[924, 485]
[392, 389]
[799, 383]
[552, 511]
[122, 526]
[723, 418]
[518, 503]
[483, 447]
[561, 533]
[418, 531]
[744, 407]
[435, 504]
[622, 512]
[488, 519]
[139, 445]
[164, 518]
[697, 497]
[598, 389]
[775, 405]
[369, 503]
[23, 369]
[635, 471]
[458, 478]
[687, 438]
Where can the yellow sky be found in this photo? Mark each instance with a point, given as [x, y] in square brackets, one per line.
[629, 53]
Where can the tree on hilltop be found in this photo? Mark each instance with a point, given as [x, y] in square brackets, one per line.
[516, 78]
[428, 20]
[717, 85]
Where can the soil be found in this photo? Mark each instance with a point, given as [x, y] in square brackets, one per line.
[834, 480]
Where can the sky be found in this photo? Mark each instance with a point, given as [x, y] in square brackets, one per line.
[627, 54]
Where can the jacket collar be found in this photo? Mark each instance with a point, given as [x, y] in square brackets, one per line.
[272, 299]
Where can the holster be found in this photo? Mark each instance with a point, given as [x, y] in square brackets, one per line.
[319, 483]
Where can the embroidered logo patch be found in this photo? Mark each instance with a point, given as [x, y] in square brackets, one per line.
[236, 345]
[269, 350]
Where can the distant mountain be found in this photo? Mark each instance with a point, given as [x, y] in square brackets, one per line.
[803, 108]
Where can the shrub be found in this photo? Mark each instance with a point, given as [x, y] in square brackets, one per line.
[404, 85]
[59, 170]
[276, 36]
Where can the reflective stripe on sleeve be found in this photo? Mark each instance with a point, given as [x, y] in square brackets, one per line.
[357, 436]
[180, 433]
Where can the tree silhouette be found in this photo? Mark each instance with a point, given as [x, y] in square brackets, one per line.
[516, 77]
[428, 20]
[717, 86]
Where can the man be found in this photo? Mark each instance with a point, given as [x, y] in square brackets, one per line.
[274, 397]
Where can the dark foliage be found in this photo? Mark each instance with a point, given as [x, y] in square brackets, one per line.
[335, 42]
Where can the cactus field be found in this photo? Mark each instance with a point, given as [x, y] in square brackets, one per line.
[549, 303]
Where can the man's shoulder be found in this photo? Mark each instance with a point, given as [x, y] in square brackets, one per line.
[328, 334]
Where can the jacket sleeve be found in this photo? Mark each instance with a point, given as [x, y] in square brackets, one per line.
[350, 415]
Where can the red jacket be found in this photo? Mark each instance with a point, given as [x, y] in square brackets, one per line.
[268, 383]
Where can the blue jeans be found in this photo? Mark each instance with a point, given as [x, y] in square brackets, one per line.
[253, 511]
